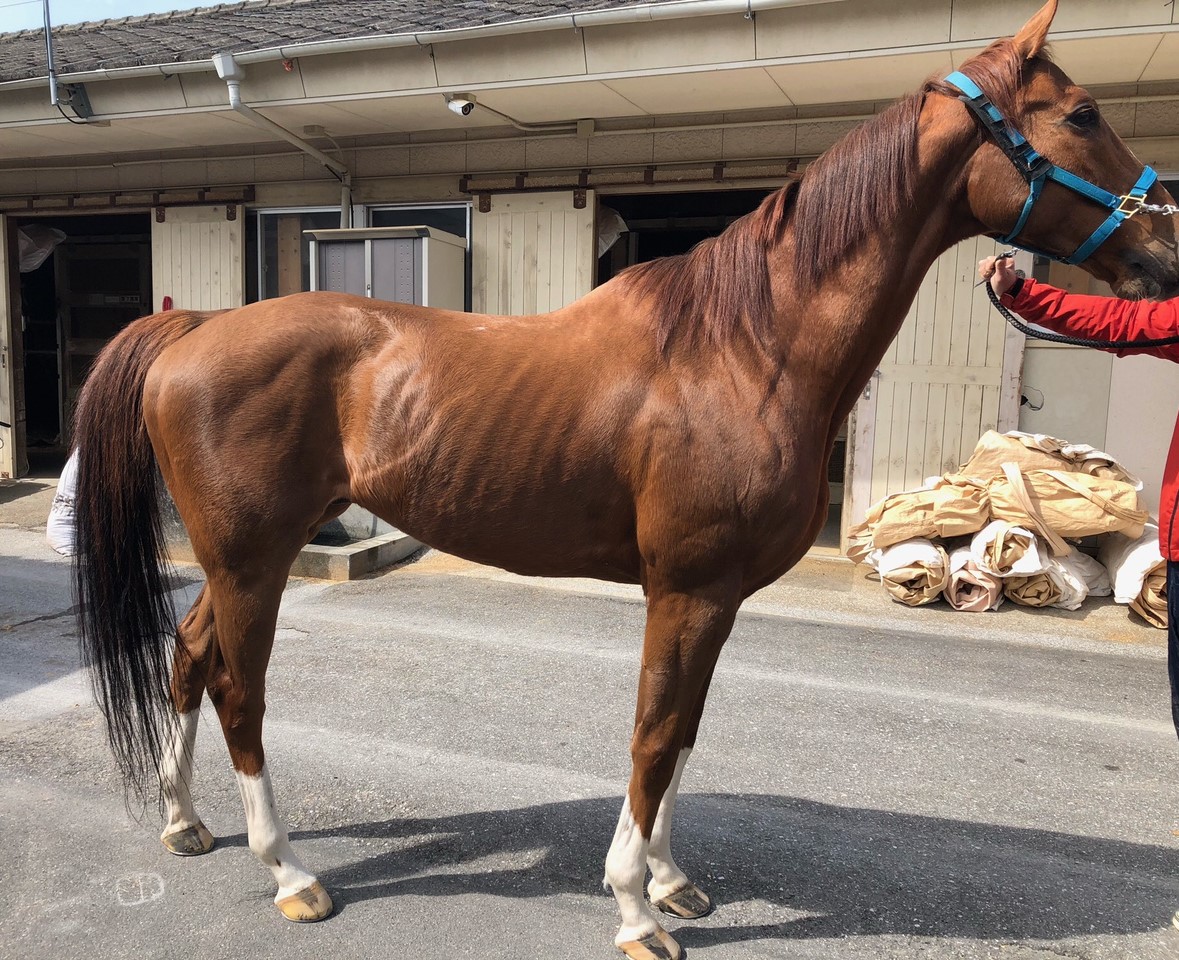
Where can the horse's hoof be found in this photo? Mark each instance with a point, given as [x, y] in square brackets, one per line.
[307, 905]
[689, 902]
[189, 842]
[657, 945]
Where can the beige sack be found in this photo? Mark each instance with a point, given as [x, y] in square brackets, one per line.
[1038, 451]
[1057, 504]
[1005, 549]
[1151, 602]
[951, 507]
[1139, 573]
[995, 449]
[859, 542]
[1038, 590]
[914, 572]
[972, 588]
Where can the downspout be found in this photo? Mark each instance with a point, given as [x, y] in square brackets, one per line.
[229, 70]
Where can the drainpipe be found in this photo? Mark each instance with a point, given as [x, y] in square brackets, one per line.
[229, 70]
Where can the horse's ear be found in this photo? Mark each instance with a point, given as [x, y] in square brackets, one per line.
[1034, 34]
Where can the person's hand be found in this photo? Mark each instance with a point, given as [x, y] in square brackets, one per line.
[1000, 271]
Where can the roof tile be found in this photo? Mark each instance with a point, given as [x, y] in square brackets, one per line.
[176, 36]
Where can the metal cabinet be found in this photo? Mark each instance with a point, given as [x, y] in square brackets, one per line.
[403, 264]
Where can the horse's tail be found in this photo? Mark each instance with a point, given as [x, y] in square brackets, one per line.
[125, 615]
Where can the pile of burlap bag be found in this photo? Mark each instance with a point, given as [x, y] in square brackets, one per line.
[1006, 526]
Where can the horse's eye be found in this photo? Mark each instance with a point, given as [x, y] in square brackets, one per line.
[1085, 117]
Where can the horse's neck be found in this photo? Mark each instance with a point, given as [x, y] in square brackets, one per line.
[846, 325]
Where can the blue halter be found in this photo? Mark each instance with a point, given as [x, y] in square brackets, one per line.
[1038, 170]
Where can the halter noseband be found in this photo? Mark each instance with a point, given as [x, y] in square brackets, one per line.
[1038, 170]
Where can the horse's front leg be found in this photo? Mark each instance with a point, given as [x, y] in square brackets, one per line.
[670, 889]
[685, 632]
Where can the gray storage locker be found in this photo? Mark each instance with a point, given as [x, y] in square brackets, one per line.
[404, 264]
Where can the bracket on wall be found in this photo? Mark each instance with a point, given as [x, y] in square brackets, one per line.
[579, 198]
[485, 203]
[161, 215]
[231, 211]
[718, 171]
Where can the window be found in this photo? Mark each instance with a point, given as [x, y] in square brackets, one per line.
[452, 217]
[278, 254]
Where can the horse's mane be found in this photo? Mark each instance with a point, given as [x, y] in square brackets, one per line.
[865, 179]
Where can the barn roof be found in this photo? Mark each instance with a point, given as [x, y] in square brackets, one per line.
[188, 35]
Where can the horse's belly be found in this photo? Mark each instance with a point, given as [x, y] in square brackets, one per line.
[582, 529]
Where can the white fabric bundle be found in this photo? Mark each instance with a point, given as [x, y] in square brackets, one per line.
[972, 588]
[59, 528]
[1129, 561]
[1079, 576]
[1005, 549]
[914, 572]
[1138, 571]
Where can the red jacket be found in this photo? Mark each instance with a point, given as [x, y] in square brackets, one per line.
[1108, 318]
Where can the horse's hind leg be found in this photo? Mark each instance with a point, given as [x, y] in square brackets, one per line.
[685, 632]
[246, 608]
[184, 834]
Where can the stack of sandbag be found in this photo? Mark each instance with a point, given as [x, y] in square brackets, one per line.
[914, 572]
[1037, 451]
[1000, 527]
[1139, 573]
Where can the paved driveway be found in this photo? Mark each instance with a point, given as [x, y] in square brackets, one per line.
[450, 751]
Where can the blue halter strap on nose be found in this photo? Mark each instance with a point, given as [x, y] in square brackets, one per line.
[1038, 170]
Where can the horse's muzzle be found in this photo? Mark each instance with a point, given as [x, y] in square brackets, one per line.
[1151, 273]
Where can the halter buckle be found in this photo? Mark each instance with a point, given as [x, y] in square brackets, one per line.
[1130, 205]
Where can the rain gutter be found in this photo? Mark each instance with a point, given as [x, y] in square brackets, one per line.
[640, 13]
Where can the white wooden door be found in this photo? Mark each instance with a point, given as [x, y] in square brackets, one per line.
[532, 252]
[7, 370]
[198, 257]
[951, 374]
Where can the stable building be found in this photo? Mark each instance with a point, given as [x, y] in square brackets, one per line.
[192, 157]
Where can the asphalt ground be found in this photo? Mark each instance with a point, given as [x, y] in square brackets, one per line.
[449, 748]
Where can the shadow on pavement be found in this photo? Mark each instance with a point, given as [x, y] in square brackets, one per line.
[841, 871]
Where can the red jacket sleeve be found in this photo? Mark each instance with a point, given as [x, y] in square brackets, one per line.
[1098, 318]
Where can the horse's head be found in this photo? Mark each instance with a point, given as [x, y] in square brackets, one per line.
[1064, 129]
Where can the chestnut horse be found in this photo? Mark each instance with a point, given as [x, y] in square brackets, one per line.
[671, 429]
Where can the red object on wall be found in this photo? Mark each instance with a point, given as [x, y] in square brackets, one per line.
[167, 303]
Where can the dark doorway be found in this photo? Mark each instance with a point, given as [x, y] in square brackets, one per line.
[93, 282]
[664, 224]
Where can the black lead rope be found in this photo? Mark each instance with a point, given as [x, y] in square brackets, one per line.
[1074, 341]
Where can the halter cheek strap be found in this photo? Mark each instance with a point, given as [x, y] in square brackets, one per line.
[1038, 170]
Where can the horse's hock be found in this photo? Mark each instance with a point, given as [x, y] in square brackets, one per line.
[354, 544]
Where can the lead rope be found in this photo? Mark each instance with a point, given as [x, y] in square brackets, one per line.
[1163, 209]
[1073, 341]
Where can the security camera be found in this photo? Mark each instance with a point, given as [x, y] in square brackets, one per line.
[461, 105]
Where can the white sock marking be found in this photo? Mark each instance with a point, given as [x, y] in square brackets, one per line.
[666, 877]
[626, 868]
[268, 835]
[176, 775]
